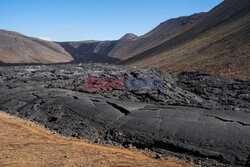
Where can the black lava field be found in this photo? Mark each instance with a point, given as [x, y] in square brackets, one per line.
[194, 116]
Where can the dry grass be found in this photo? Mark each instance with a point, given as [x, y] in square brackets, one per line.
[224, 51]
[23, 143]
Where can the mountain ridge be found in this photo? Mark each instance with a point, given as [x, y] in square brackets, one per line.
[207, 45]
[128, 45]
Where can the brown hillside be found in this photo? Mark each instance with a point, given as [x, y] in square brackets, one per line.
[17, 48]
[127, 46]
[218, 43]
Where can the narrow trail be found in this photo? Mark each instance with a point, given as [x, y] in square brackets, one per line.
[23, 143]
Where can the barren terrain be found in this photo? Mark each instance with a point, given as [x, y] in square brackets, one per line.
[23, 143]
[196, 117]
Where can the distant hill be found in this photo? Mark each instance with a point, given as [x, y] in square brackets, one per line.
[125, 49]
[129, 36]
[17, 48]
[219, 43]
[87, 51]
[127, 46]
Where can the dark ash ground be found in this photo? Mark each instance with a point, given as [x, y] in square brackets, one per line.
[196, 116]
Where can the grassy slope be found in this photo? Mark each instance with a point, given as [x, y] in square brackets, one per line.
[224, 51]
[218, 43]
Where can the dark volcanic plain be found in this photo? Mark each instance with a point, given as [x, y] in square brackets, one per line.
[196, 116]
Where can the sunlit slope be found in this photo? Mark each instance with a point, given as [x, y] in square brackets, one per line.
[218, 43]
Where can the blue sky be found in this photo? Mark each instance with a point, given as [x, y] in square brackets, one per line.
[76, 20]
